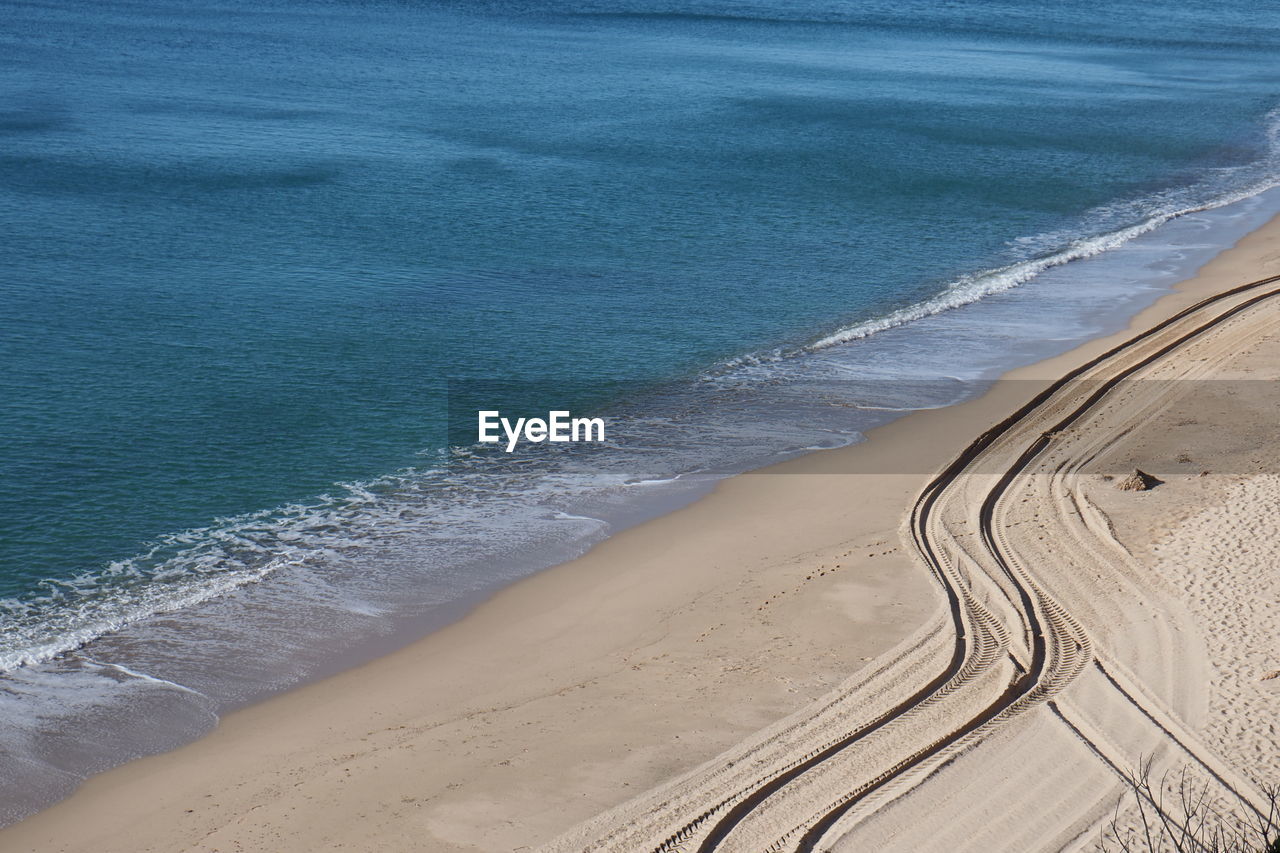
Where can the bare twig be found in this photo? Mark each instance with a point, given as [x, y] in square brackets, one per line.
[1182, 815]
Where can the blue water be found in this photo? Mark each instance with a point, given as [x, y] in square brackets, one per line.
[251, 251]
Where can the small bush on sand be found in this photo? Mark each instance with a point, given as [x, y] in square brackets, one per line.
[1179, 815]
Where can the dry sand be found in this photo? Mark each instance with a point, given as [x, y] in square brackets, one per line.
[716, 644]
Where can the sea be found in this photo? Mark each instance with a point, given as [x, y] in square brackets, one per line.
[261, 262]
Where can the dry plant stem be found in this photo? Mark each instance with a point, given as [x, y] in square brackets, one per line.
[1192, 823]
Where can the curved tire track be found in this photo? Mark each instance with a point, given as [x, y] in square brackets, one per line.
[1055, 644]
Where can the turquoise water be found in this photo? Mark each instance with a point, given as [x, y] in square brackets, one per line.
[251, 250]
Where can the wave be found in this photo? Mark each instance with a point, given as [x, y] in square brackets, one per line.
[323, 540]
[1141, 216]
[190, 567]
[447, 503]
[971, 288]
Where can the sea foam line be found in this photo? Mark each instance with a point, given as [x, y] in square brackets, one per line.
[62, 634]
[973, 287]
[142, 676]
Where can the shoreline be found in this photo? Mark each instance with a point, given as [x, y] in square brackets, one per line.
[494, 732]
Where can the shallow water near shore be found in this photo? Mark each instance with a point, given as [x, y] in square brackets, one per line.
[259, 258]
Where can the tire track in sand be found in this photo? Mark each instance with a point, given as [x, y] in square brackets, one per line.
[1014, 648]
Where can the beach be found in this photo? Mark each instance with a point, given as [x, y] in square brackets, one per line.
[267, 263]
[677, 642]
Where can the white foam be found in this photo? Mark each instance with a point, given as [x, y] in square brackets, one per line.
[142, 676]
[971, 288]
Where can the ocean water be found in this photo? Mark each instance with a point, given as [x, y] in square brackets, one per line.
[261, 262]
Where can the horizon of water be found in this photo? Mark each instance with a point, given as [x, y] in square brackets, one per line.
[255, 254]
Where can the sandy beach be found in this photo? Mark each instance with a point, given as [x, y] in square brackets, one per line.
[653, 686]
